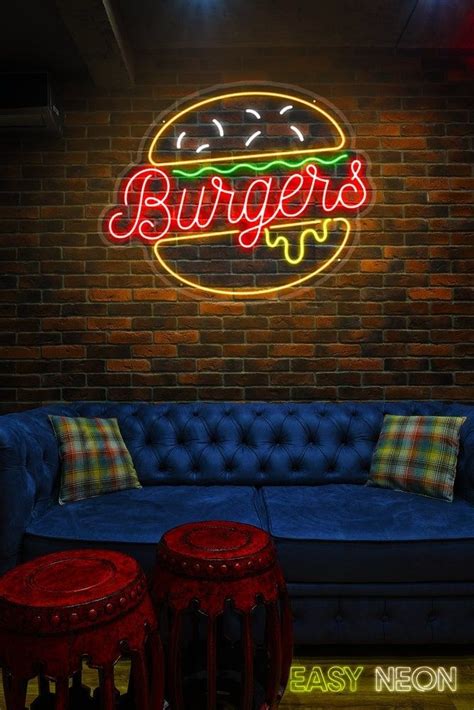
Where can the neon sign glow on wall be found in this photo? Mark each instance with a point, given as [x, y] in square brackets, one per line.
[244, 192]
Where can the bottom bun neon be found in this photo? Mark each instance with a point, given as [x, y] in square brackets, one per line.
[287, 256]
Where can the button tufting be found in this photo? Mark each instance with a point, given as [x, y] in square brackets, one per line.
[385, 618]
[338, 617]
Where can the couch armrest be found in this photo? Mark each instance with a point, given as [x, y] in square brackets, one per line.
[29, 466]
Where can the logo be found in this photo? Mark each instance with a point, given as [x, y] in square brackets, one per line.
[389, 679]
[244, 192]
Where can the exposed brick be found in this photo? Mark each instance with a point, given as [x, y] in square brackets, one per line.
[16, 353]
[185, 336]
[236, 351]
[119, 295]
[374, 266]
[148, 351]
[199, 379]
[292, 350]
[127, 337]
[224, 308]
[108, 323]
[361, 364]
[430, 294]
[128, 365]
[269, 336]
[66, 352]
[155, 294]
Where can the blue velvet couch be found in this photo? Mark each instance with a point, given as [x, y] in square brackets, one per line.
[363, 565]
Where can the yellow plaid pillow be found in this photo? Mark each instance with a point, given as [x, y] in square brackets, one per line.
[417, 454]
[94, 457]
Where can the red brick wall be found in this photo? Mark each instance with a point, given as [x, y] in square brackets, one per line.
[81, 319]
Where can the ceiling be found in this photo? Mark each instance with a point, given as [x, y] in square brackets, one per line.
[71, 37]
[333, 23]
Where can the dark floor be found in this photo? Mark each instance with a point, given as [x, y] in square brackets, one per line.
[365, 695]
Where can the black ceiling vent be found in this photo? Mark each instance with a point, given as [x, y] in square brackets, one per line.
[28, 104]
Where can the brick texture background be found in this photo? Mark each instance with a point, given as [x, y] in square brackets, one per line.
[82, 319]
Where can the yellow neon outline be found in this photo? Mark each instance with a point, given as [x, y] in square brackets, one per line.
[253, 156]
[255, 291]
[280, 239]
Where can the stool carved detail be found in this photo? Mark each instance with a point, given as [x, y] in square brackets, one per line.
[59, 609]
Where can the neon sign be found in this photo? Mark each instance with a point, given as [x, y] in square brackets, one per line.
[256, 222]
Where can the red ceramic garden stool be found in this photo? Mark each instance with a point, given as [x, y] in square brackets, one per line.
[61, 608]
[209, 566]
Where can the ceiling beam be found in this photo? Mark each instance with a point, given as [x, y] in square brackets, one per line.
[97, 32]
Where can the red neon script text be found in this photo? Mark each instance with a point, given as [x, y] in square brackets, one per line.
[154, 205]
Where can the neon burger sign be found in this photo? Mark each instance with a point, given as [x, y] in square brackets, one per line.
[244, 192]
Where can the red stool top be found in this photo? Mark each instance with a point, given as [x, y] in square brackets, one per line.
[69, 591]
[216, 550]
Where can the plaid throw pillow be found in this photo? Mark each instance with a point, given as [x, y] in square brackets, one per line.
[417, 454]
[94, 458]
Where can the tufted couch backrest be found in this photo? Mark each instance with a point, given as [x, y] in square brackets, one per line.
[232, 443]
[251, 444]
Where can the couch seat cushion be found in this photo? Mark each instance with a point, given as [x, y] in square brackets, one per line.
[350, 533]
[134, 520]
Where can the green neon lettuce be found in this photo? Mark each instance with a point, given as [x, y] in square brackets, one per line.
[258, 168]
